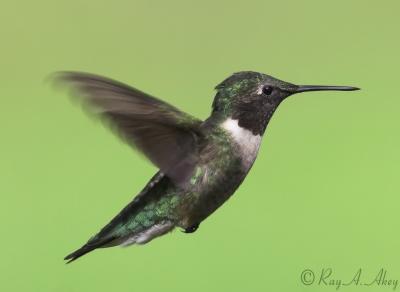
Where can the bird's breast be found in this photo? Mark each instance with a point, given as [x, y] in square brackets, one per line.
[225, 163]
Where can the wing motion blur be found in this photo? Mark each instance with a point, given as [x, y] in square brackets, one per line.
[165, 135]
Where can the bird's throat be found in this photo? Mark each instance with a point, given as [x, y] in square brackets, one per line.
[247, 142]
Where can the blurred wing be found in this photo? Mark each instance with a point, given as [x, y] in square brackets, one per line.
[167, 136]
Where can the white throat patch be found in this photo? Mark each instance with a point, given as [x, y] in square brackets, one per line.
[247, 142]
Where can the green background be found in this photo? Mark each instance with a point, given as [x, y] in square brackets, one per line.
[323, 193]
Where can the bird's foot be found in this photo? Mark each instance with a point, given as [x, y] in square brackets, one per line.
[192, 228]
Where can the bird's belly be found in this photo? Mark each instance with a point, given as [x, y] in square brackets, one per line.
[211, 190]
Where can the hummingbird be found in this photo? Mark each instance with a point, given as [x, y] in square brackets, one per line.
[201, 163]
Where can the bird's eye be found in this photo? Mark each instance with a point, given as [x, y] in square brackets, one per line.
[267, 90]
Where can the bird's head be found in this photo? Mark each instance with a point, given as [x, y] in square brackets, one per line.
[252, 97]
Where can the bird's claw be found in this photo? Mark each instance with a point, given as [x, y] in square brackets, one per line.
[191, 229]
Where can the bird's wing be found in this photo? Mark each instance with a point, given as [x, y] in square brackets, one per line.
[167, 136]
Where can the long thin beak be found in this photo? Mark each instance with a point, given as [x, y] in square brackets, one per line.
[304, 88]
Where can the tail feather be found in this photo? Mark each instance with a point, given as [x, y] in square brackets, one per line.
[137, 222]
[88, 247]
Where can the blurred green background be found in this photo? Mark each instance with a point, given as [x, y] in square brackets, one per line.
[324, 192]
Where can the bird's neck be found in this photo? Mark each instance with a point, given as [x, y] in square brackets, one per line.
[251, 117]
[246, 142]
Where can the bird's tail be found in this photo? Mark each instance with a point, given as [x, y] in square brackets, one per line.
[88, 247]
[146, 217]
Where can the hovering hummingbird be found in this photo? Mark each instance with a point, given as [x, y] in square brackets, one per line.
[201, 163]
